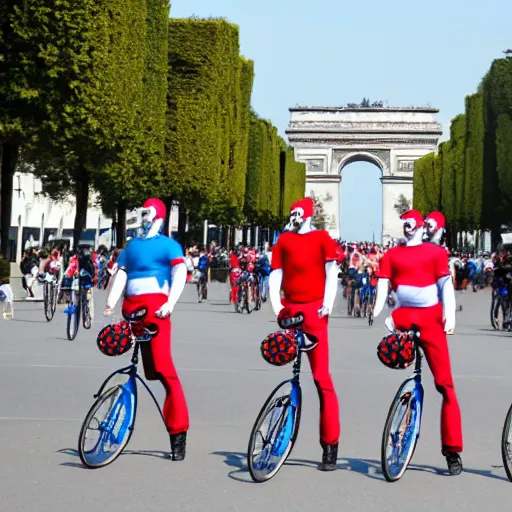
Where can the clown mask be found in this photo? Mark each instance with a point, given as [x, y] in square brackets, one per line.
[435, 227]
[300, 212]
[153, 216]
[412, 222]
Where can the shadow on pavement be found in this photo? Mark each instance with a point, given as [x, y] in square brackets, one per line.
[367, 467]
[71, 452]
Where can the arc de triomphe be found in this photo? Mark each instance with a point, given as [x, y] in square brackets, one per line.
[329, 138]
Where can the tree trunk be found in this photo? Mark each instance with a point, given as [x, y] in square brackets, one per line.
[167, 224]
[82, 202]
[121, 224]
[9, 158]
[182, 226]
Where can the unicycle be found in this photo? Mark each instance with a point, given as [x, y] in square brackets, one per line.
[109, 424]
[276, 428]
[402, 427]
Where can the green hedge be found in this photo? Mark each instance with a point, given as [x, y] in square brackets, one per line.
[426, 187]
[294, 186]
[448, 200]
[474, 162]
[457, 154]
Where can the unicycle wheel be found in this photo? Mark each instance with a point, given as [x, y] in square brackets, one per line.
[401, 430]
[108, 426]
[275, 431]
[506, 444]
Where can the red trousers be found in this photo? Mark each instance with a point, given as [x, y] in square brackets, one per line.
[233, 278]
[319, 362]
[435, 346]
[157, 359]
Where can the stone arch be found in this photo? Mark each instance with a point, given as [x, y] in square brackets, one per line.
[327, 139]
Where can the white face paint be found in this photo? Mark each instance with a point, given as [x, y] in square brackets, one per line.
[409, 228]
[148, 216]
[431, 227]
[296, 219]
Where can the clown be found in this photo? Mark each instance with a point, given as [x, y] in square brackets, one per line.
[151, 272]
[304, 267]
[435, 225]
[418, 273]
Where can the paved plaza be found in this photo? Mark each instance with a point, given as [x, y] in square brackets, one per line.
[47, 385]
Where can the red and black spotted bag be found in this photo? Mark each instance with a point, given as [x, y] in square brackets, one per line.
[116, 339]
[280, 348]
[397, 351]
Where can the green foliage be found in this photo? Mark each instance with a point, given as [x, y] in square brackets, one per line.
[294, 186]
[448, 201]
[208, 117]
[474, 163]
[426, 188]
[504, 162]
[419, 196]
[5, 271]
[457, 154]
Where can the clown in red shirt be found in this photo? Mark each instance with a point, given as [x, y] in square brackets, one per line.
[418, 273]
[151, 273]
[304, 268]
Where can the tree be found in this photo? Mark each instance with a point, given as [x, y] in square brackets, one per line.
[402, 205]
[320, 218]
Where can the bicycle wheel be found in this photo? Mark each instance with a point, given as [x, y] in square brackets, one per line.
[247, 298]
[496, 312]
[55, 296]
[73, 322]
[199, 291]
[48, 301]
[86, 312]
[275, 431]
[506, 444]
[108, 426]
[257, 295]
[402, 429]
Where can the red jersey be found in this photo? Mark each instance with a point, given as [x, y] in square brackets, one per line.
[302, 259]
[414, 272]
[233, 261]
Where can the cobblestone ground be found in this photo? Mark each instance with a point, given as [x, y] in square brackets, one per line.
[47, 385]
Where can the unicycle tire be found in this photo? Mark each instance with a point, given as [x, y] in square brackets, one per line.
[393, 414]
[506, 444]
[125, 429]
[284, 435]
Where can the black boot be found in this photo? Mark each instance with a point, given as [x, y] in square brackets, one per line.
[329, 457]
[454, 463]
[178, 446]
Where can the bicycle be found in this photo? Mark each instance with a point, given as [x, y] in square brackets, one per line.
[104, 435]
[84, 304]
[506, 444]
[244, 293]
[371, 303]
[402, 427]
[50, 295]
[500, 291]
[277, 425]
[263, 286]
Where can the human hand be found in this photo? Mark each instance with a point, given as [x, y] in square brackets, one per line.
[323, 311]
[164, 312]
[390, 325]
[108, 311]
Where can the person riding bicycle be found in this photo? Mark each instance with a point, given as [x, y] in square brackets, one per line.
[151, 273]
[202, 268]
[304, 267]
[419, 274]
[503, 279]
[262, 270]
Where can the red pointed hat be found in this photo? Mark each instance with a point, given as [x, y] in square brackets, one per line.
[413, 215]
[438, 218]
[307, 205]
[158, 205]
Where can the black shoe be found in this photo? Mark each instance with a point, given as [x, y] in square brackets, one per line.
[454, 463]
[329, 457]
[178, 446]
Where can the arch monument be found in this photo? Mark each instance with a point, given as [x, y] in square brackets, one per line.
[327, 139]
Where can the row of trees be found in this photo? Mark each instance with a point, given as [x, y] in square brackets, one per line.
[470, 178]
[115, 97]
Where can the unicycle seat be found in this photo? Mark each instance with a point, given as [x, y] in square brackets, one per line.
[135, 316]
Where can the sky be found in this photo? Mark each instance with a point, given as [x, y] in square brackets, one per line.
[333, 52]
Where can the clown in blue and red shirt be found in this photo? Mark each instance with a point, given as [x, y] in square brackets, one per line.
[151, 273]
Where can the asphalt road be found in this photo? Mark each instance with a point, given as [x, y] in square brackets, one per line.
[47, 385]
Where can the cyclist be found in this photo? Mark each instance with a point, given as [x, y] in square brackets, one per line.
[202, 268]
[234, 276]
[262, 271]
[152, 270]
[503, 277]
[419, 274]
[304, 266]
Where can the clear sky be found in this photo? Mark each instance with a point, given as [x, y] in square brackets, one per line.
[333, 52]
